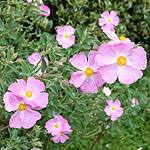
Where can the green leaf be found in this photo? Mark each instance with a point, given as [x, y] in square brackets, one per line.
[86, 119]
[79, 31]
[33, 69]
[13, 35]
[74, 51]
[85, 46]
[43, 65]
[25, 67]
[1, 25]
[131, 123]
[51, 55]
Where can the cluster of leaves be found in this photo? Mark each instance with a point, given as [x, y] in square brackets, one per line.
[23, 31]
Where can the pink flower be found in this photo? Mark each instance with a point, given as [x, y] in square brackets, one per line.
[88, 77]
[31, 92]
[57, 125]
[121, 61]
[35, 59]
[106, 91]
[45, 10]
[24, 116]
[109, 20]
[115, 39]
[134, 102]
[61, 137]
[29, 1]
[113, 109]
[65, 36]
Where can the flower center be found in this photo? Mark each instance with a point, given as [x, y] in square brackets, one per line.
[62, 133]
[121, 61]
[109, 20]
[66, 36]
[113, 108]
[88, 72]
[22, 107]
[28, 94]
[122, 37]
[56, 125]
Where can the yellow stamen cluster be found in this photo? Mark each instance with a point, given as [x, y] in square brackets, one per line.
[22, 107]
[62, 133]
[56, 125]
[113, 108]
[88, 72]
[109, 20]
[122, 37]
[66, 36]
[121, 61]
[28, 94]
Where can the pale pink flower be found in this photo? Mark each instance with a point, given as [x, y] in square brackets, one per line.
[35, 149]
[45, 10]
[121, 61]
[65, 36]
[35, 59]
[24, 116]
[61, 137]
[31, 92]
[115, 39]
[88, 77]
[113, 109]
[56, 125]
[134, 102]
[109, 20]
[29, 1]
[106, 91]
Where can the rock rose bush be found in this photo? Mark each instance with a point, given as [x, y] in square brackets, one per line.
[74, 75]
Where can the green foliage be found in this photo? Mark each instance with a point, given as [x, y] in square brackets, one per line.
[23, 31]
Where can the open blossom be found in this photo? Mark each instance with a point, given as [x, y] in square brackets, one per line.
[58, 127]
[31, 92]
[106, 91]
[108, 21]
[35, 59]
[24, 116]
[134, 102]
[113, 109]
[121, 61]
[88, 77]
[65, 36]
[115, 39]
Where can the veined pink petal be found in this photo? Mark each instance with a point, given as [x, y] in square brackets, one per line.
[113, 14]
[128, 75]
[109, 73]
[105, 14]
[79, 61]
[102, 21]
[98, 79]
[89, 86]
[91, 59]
[15, 120]
[29, 117]
[77, 78]
[115, 21]
[34, 58]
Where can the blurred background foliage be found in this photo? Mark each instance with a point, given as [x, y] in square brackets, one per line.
[23, 31]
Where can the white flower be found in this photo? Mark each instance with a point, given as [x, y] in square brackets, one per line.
[106, 91]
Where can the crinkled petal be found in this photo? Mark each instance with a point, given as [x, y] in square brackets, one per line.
[89, 86]
[137, 58]
[11, 101]
[115, 21]
[113, 14]
[29, 117]
[109, 102]
[109, 73]
[77, 78]
[79, 61]
[63, 138]
[107, 110]
[123, 49]
[36, 86]
[34, 58]
[15, 120]
[117, 103]
[128, 75]
[106, 55]
[102, 21]
[45, 10]
[112, 35]
[91, 59]
[98, 79]
[105, 14]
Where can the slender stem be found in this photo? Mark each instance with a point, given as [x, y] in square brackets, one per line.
[68, 145]
[4, 128]
[91, 135]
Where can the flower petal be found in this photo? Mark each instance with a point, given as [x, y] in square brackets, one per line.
[102, 21]
[98, 79]
[34, 58]
[109, 73]
[77, 78]
[105, 14]
[128, 74]
[79, 61]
